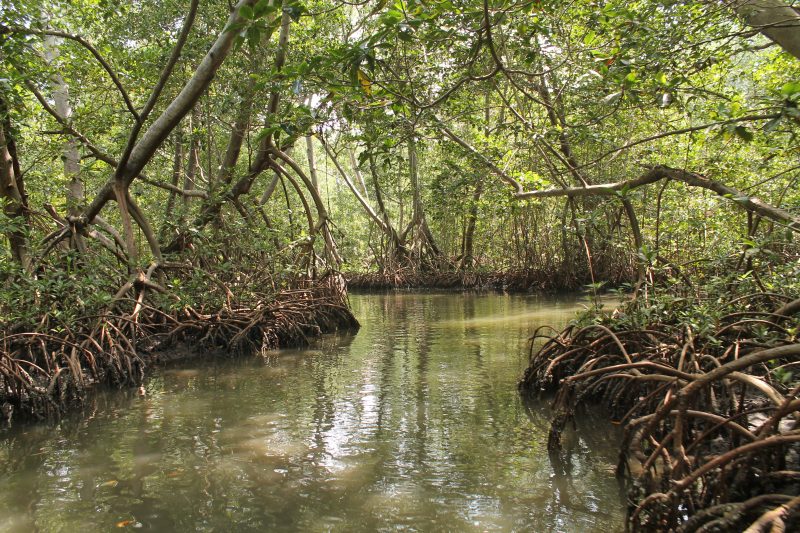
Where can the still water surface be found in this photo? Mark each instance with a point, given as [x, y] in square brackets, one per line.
[412, 424]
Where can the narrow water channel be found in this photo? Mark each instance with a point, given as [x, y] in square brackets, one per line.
[412, 424]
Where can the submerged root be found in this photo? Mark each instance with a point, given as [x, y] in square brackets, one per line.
[293, 318]
[43, 373]
[711, 436]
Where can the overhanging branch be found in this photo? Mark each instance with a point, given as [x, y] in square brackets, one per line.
[661, 172]
[86, 44]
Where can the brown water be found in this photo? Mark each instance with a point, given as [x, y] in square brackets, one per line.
[413, 424]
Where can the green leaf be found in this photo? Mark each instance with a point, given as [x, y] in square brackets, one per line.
[247, 12]
[253, 36]
[262, 8]
[791, 88]
[391, 17]
[265, 132]
[235, 27]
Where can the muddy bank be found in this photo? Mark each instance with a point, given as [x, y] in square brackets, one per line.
[44, 373]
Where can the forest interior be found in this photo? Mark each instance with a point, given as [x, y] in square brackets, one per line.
[186, 177]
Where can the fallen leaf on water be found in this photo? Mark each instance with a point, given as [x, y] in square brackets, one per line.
[125, 523]
[110, 483]
[174, 473]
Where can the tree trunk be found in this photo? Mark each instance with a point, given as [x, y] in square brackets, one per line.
[468, 242]
[159, 130]
[177, 170]
[776, 19]
[350, 185]
[234, 148]
[70, 154]
[312, 164]
[397, 252]
[212, 208]
[468, 246]
[357, 172]
[422, 239]
[189, 176]
[10, 187]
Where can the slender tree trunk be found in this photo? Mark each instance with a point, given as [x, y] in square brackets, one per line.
[357, 172]
[397, 253]
[468, 242]
[359, 196]
[10, 192]
[269, 190]
[468, 247]
[70, 154]
[423, 240]
[312, 164]
[144, 148]
[322, 213]
[189, 177]
[234, 148]
[213, 207]
[177, 171]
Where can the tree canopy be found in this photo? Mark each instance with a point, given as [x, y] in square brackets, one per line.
[424, 135]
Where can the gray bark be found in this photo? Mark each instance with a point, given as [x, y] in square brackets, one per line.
[172, 115]
[350, 185]
[14, 207]
[658, 173]
[776, 19]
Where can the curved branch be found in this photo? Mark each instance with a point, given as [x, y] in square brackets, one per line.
[176, 54]
[96, 152]
[190, 193]
[364, 203]
[159, 130]
[86, 44]
[162, 81]
[660, 172]
[747, 118]
[485, 160]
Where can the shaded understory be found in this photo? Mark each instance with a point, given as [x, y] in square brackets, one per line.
[528, 280]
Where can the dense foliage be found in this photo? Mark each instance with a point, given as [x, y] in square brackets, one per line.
[177, 158]
[408, 121]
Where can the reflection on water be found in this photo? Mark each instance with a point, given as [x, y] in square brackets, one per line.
[413, 423]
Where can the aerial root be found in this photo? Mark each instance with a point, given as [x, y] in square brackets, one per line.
[708, 428]
[407, 277]
[44, 372]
